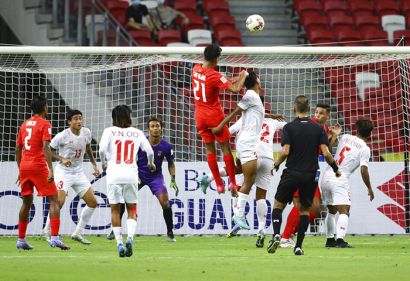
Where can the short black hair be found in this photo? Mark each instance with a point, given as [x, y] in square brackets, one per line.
[154, 119]
[38, 103]
[73, 112]
[212, 52]
[251, 80]
[121, 116]
[364, 127]
[325, 106]
[301, 104]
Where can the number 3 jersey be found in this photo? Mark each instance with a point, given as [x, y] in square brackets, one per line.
[72, 147]
[120, 147]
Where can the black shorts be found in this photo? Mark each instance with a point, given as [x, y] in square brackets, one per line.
[291, 181]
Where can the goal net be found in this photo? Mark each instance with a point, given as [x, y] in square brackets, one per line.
[370, 83]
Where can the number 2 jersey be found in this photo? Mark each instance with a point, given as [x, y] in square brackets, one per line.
[32, 133]
[120, 147]
[72, 147]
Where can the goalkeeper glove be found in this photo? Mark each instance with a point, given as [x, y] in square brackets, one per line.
[174, 185]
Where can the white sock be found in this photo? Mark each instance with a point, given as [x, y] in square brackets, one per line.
[85, 217]
[330, 225]
[341, 226]
[131, 227]
[47, 226]
[235, 205]
[222, 172]
[117, 234]
[261, 212]
[242, 199]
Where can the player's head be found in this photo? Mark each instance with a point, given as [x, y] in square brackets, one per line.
[252, 81]
[212, 53]
[301, 104]
[39, 105]
[154, 127]
[75, 119]
[364, 128]
[322, 112]
[121, 116]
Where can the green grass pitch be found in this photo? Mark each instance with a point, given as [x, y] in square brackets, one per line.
[208, 258]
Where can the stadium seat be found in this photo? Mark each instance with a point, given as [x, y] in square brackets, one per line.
[319, 36]
[178, 44]
[114, 6]
[405, 6]
[185, 6]
[374, 36]
[341, 20]
[199, 37]
[214, 6]
[358, 14]
[387, 7]
[228, 37]
[335, 5]
[398, 34]
[142, 37]
[226, 21]
[367, 20]
[365, 80]
[309, 20]
[195, 22]
[168, 36]
[351, 35]
[391, 23]
[363, 5]
[119, 15]
[307, 6]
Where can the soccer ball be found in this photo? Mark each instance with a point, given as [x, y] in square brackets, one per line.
[255, 23]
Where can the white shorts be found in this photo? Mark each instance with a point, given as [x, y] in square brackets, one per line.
[335, 191]
[122, 193]
[246, 152]
[78, 182]
[264, 175]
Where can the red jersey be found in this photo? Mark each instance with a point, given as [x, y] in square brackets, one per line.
[206, 84]
[325, 127]
[32, 133]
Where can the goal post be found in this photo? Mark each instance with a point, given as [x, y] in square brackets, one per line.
[357, 82]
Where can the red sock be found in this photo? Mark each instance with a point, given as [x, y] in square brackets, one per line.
[22, 229]
[230, 167]
[54, 226]
[213, 166]
[312, 216]
[292, 223]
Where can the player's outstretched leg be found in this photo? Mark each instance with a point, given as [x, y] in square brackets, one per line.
[23, 244]
[234, 231]
[273, 244]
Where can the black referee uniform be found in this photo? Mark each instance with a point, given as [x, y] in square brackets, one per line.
[304, 137]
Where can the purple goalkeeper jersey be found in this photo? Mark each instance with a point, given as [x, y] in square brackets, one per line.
[161, 150]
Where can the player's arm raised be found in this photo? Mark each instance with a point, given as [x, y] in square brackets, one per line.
[226, 120]
[237, 84]
[90, 154]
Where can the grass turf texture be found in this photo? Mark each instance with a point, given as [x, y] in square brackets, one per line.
[207, 258]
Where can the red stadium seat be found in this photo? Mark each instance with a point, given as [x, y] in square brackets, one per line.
[348, 35]
[225, 21]
[216, 6]
[341, 20]
[231, 36]
[168, 36]
[309, 20]
[362, 5]
[387, 7]
[185, 6]
[367, 21]
[335, 5]
[358, 14]
[142, 37]
[308, 5]
[117, 6]
[319, 36]
[405, 6]
[374, 36]
[398, 34]
[119, 15]
[407, 16]
[195, 22]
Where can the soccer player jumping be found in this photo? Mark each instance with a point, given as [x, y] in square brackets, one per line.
[206, 83]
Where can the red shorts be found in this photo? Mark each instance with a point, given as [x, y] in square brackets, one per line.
[204, 123]
[30, 178]
[317, 193]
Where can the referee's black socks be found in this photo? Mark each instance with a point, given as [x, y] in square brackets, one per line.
[276, 220]
[302, 228]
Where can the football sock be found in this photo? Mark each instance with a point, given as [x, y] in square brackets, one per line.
[230, 167]
[168, 218]
[85, 217]
[213, 166]
[330, 225]
[47, 226]
[242, 199]
[276, 220]
[261, 212]
[292, 223]
[235, 205]
[302, 228]
[22, 226]
[131, 227]
[117, 234]
[54, 226]
[341, 226]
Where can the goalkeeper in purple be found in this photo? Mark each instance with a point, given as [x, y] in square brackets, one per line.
[155, 181]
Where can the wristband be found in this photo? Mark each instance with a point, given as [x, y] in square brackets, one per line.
[334, 166]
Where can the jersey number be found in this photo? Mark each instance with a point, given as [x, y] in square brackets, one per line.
[196, 88]
[125, 151]
[342, 154]
[265, 133]
[27, 138]
[77, 153]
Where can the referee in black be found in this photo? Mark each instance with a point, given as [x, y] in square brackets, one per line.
[301, 140]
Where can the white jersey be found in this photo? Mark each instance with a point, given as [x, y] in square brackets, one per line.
[119, 147]
[351, 153]
[264, 148]
[252, 118]
[72, 147]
